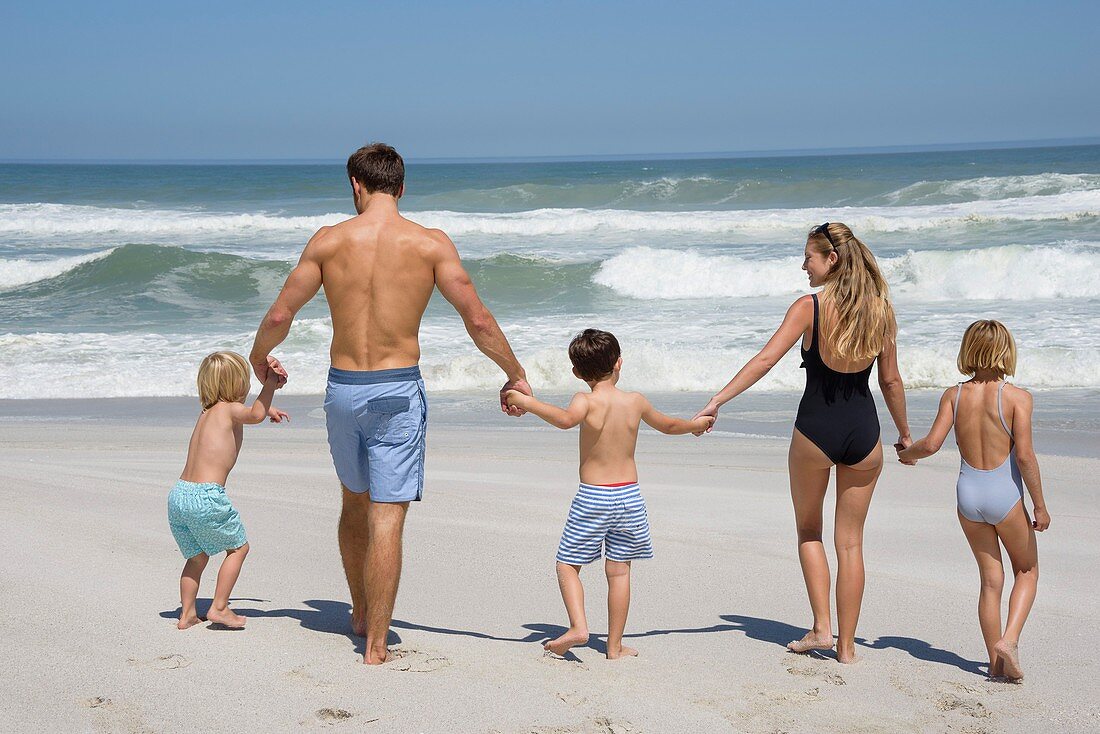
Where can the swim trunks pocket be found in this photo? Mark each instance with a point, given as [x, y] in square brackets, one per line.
[391, 420]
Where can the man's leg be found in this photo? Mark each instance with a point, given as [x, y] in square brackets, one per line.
[386, 521]
[354, 529]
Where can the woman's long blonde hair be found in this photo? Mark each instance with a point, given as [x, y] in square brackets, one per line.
[864, 319]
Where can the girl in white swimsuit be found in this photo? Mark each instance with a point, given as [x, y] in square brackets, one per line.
[993, 431]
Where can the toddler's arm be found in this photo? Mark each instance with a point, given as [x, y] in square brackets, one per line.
[1025, 457]
[941, 426]
[673, 426]
[258, 411]
[552, 414]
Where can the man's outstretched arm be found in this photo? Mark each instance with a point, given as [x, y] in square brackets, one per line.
[454, 283]
[301, 285]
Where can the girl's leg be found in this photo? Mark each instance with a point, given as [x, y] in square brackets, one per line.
[572, 593]
[189, 589]
[854, 487]
[987, 552]
[1018, 536]
[618, 605]
[809, 473]
[227, 577]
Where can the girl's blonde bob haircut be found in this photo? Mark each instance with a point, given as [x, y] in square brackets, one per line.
[987, 345]
[223, 378]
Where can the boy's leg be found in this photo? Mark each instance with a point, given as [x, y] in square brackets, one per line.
[987, 552]
[386, 521]
[618, 605]
[189, 589]
[572, 593]
[227, 578]
[1018, 536]
[354, 535]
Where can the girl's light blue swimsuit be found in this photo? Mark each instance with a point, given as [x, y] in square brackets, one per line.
[988, 495]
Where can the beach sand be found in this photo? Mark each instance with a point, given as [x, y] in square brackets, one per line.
[89, 594]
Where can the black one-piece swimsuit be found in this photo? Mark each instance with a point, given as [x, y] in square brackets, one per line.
[837, 411]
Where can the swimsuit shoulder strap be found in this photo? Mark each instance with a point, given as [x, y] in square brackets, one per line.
[1000, 410]
[813, 337]
[958, 392]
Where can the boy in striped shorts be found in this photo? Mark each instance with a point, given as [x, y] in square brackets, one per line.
[608, 513]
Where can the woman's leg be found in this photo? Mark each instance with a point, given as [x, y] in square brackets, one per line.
[809, 473]
[987, 552]
[854, 487]
[1018, 536]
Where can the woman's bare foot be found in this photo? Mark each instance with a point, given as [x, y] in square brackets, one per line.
[812, 641]
[190, 621]
[1009, 655]
[623, 652]
[571, 638]
[996, 668]
[226, 617]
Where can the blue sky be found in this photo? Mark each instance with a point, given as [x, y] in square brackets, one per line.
[240, 80]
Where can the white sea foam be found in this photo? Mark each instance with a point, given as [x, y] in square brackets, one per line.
[1013, 272]
[17, 272]
[995, 187]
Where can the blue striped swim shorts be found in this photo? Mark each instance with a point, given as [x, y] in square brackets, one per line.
[203, 520]
[611, 518]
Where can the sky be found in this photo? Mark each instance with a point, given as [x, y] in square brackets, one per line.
[296, 80]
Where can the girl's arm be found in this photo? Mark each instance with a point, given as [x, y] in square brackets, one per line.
[552, 414]
[799, 318]
[893, 390]
[673, 426]
[941, 426]
[1025, 457]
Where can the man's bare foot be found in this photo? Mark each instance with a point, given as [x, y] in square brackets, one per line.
[624, 652]
[376, 657]
[190, 621]
[571, 638]
[359, 623]
[226, 617]
[811, 641]
[1009, 655]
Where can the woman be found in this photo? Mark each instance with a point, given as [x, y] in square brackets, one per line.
[844, 331]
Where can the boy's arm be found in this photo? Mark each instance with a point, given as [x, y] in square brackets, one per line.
[1025, 458]
[559, 418]
[670, 425]
[941, 426]
[258, 411]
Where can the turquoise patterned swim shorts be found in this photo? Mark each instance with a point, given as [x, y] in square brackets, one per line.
[203, 520]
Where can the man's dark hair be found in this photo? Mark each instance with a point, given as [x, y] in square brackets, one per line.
[378, 168]
[594, 354]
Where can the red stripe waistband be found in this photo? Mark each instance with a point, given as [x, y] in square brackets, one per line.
[617, 484]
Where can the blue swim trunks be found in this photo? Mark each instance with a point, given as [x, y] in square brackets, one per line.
[377, 425]
[611, 518]
[203, 520]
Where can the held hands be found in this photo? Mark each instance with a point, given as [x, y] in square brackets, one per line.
[269, 368]
[512, 399]
[903, 443]
[277, 416]
[711, 412]
[513, 386]
[1042, 519]
[702, 424]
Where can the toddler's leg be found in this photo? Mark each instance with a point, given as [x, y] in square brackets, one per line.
[572, 593]
[189, 589]
[618, 604]
[987, 552]
[227, 577]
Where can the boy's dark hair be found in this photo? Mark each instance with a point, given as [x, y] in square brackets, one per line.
[378, 167]
[594, 354]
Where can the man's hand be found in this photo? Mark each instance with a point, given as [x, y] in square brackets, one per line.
[269, 368]
[519, 386]
[1042, 519]
[276, 415]
[710, 411]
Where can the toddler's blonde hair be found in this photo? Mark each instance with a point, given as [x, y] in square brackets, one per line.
[223, 378]
[987, 345]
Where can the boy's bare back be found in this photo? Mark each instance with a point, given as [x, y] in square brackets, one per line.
[609, 435]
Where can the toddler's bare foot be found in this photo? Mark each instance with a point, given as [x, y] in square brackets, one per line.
[570, 639]
[812, 641]
[1009, 655]
[189, 621]
[226, 617]
[624, 652]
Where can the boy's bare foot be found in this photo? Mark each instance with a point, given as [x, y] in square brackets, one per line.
[226, 617]
[1009, 655]
[624, 652]
[186, 622]
[812, 641]
[571, 638]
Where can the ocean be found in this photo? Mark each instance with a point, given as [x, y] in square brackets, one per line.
[115, 280]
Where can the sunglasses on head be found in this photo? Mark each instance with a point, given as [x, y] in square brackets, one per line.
[824, 230]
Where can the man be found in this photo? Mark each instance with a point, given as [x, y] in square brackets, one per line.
[379, 270]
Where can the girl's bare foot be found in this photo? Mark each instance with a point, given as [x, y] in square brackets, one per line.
[623, 652]
[812, 641]
[189, 621]
[226, 617]
[571, 638]
[1009, 655]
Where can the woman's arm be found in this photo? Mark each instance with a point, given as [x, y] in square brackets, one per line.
[941, 426]
[1025, 458]
[893, 390]
[559, 418]
[799, 318]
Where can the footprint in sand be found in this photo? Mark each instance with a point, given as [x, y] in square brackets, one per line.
[951, 702]
[173, 661]
[95, 702]
[407, 660]
[573, 662]
[573, 699]
[333, 716]
[833, 679]
[599, 725]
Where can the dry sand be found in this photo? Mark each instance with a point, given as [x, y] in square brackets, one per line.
[89, 592]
